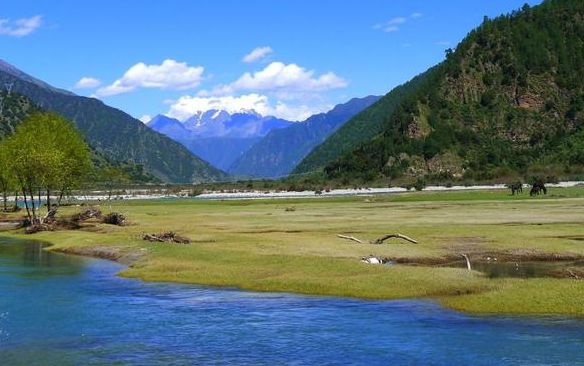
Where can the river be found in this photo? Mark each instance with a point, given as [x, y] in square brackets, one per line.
[63, 310]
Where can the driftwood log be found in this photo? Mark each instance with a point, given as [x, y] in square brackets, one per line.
[87, 214]
[114, 218]
[350, 238]
[167, 237]
[468, 266]
[50, 216]
[399, 236]
[379, 240]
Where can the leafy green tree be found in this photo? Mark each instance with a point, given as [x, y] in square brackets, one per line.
[46, 152]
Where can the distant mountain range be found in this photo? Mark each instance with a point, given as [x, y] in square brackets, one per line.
[113, 133]
[281, 150]
[218, 136]
[248, 144]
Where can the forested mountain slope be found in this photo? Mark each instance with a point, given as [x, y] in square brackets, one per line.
[361, 127]
[509, 101]
[15, 108]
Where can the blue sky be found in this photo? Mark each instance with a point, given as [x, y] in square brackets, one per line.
[315, 53]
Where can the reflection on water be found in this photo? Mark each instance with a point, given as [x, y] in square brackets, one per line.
[58, 310]
[496, 269]
[28, 258]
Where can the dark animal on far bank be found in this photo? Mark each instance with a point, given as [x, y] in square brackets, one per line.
[516, 188]
[537, 189]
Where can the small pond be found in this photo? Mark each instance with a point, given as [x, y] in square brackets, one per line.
[528, 269]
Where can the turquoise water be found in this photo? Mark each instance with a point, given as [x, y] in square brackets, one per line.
[61, 310]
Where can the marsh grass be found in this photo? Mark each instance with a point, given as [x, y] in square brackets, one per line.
[259, 245]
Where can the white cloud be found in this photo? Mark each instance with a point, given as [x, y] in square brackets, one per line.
[393, 25]
[283, 90]
[145, 118]
[87, 83]
[257, 54]
[20, 27]
[168, 75]
[187, 106]
[278, 76]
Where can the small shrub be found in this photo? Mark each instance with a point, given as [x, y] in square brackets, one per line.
[420, 184]
[114, 218]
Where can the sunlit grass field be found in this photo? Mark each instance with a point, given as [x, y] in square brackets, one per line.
[291, 245]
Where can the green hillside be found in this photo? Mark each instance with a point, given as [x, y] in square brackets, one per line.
[15, 108]
[362, 127]
[113, 133]
[507, 102]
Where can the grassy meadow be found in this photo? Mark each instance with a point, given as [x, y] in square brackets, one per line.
[291, 245]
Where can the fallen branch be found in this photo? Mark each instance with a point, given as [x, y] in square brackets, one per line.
[572, 274]
[50, 216]
[380, 240]
[350, 238]
[168, 237]
[87, 214]
[114, 218]
[467, 262]
[389, 236]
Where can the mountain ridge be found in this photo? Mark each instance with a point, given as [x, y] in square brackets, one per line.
[114, 133]
[218, 136]
[281, 150]
[360, 127]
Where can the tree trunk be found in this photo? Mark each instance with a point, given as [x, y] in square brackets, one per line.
[26, 205]
[5, 197]
[16, 200]
[34, 215]
[48, 200]
[60, 197]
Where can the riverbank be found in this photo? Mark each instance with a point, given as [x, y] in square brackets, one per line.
[292, 246]
[136, 322]
[250, 194]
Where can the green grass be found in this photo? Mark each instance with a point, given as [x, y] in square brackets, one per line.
[258, 245]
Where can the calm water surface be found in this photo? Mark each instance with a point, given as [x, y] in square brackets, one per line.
[60, 310]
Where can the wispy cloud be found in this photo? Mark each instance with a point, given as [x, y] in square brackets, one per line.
[257, 54]
[20, 27]
[145, 118]
[87, 83]
[394, 24]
